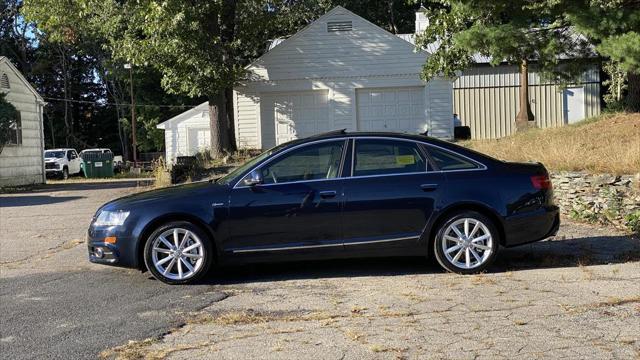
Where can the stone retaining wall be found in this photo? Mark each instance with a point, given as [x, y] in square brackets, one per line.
[601, 198]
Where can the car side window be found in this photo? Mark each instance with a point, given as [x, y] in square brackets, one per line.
[449, 161]
[384, 157]
[313, 162]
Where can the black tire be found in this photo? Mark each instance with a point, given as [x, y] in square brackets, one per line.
[65, 174]
[449, 263]
[207, 255]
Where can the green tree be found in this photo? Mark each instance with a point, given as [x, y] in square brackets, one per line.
[514, 31]
[614, 27]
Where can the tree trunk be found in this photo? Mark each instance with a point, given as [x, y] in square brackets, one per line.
[633, 92]
[230, 121]
[217, 124]
[524, 118]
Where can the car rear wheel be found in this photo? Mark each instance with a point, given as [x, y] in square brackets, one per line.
[178, 253]
[466, 243]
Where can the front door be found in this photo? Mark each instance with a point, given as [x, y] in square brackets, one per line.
[390, 196]
[297, 207]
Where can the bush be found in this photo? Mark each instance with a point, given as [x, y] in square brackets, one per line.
[161, 173]
[633, 222]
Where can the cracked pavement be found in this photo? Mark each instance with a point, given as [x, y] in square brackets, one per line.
[577, 296]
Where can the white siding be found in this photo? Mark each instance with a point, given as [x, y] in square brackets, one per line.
[316, 53]
[22, 164]
[439, 100]
[247, 108]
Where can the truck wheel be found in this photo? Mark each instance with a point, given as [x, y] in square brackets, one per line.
[65, 174]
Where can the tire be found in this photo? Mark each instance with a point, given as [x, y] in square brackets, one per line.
[65, 174]
[178, 267]
[456, 254]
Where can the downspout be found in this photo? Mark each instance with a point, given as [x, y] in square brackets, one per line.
[40, 105]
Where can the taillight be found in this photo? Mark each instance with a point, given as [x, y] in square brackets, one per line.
[541, 182]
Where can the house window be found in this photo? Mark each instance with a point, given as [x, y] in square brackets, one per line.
[4, 82]
[15, 131]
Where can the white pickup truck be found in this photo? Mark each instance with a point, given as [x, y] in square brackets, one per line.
[62, 163]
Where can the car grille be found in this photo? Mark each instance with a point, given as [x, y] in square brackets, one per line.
[50, 165]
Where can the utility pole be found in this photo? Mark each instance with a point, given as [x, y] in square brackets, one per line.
[134, 144]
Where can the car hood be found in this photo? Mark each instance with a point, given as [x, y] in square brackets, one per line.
[52, 159]
[188, 192]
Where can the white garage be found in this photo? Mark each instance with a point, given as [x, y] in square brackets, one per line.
[393, 109]
[340, 72]
[187, 134]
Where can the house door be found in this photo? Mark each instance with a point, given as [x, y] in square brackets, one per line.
[573, 104]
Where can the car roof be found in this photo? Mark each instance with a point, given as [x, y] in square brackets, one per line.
[339, 134]
[59, 149]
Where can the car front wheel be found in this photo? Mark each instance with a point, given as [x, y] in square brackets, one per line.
[466, 243]
[178, 253]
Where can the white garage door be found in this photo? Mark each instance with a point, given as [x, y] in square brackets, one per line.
[300, 115]
[392, 109]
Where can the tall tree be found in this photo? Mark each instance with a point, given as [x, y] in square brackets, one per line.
[518, 32]
[614, 27]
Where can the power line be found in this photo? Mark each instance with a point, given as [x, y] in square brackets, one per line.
[119, 104]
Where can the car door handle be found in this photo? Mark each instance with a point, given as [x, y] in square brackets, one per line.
[327, 194]
[428, 187]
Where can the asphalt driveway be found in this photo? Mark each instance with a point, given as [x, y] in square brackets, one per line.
[575, 296]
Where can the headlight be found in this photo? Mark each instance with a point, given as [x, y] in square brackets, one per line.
[111, 218]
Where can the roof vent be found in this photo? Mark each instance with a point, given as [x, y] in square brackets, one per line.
[335, 26]
[4, 82]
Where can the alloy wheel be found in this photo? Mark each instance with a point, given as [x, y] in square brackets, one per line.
[467, 243]
[177, 254]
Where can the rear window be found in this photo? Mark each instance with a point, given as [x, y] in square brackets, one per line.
[446, 160]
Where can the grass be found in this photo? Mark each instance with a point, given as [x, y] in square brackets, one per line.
[609, 143]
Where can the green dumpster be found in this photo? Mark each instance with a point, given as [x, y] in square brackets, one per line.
[97, 165]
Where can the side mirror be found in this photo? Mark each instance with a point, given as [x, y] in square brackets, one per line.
[254, 178]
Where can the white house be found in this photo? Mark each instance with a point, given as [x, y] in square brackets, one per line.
[21, 161]
[340, 72]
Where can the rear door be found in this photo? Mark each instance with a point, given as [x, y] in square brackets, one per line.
[390, 195]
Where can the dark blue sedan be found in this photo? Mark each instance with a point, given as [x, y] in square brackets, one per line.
[335, 195]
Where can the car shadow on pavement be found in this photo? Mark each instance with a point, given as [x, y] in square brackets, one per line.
[582, 251]
[585, 251]
[34, 200]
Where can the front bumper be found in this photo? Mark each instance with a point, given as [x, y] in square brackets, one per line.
[53, 172]
[532, 226]
[123, 253]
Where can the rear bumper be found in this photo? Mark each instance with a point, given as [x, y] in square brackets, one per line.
[533, 226]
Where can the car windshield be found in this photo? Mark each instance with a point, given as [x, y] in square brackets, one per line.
[54, 154]
[244, 167]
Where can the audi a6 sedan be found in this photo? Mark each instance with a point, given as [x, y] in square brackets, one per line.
[335, 195]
